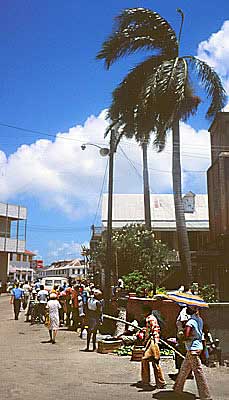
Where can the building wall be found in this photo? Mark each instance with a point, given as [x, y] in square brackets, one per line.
[4, 265]
[218, 177]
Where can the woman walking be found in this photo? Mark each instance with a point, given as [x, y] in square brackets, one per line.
[53, 307]
[94, 315]
[192, 362]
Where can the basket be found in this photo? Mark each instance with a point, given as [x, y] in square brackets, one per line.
[137, 353]
[105, 347]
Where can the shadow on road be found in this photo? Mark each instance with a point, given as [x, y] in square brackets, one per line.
[171, 395]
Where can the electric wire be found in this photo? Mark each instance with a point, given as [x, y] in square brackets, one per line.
[101, 193]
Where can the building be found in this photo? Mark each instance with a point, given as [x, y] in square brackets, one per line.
[12, 235]
[129, 209]
[75, 269]
[21, 266]
[214, 259]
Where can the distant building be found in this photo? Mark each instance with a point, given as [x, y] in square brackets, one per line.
[12, 235]
[21, 266]
[75, 269]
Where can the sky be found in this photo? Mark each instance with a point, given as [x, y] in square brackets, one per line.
[53, 98]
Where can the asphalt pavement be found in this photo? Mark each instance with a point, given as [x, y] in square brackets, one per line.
[32, 369]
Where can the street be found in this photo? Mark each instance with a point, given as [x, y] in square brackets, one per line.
[34, 370]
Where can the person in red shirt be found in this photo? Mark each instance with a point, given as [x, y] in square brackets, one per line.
[152, 351]
[75, 307]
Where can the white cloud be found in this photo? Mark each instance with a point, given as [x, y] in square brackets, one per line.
[215, 51]
[64, 251]
[60, 175]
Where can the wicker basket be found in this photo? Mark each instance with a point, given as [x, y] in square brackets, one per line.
[105, 347]
[137, 353]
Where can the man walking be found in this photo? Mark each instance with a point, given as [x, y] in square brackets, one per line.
[16, 298]
[192, 362]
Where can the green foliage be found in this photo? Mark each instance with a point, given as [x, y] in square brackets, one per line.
[208, 293]
[136, 250]
[137, 282]
[124, 351]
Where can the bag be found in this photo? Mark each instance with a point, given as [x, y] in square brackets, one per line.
[152, 351]
[47, 320]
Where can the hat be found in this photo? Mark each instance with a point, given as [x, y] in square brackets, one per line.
[53, 296]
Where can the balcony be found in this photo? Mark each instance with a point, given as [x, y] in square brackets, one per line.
[11, 245]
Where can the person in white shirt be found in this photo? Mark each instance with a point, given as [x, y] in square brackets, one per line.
[42, 297]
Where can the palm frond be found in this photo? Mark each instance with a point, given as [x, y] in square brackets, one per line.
[137, 29]
[211, 83]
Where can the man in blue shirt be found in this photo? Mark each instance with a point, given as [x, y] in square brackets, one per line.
[16, 298]
[192, 361]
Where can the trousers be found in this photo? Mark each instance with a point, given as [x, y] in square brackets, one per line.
[192, 362]
[152, 354]
[17, 306]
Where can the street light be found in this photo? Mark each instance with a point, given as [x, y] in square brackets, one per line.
[104, 151]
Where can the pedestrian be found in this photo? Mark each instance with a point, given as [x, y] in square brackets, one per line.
[152, 351]
[181, 321]
[42, 297]
[75, 307]
[68, 301]
[81, 310]
[53, 307]
[27, 288]
[192, 361]
[16, 298]
[94, 316]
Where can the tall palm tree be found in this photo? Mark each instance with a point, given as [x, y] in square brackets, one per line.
[157, 94]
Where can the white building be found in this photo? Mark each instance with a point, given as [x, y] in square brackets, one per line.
[12, 234]
[75, 269]
[129, 209]
[20, 266]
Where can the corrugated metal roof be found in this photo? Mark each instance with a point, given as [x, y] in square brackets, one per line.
[129, 208]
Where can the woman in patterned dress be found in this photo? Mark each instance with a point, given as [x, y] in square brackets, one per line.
[53, 307]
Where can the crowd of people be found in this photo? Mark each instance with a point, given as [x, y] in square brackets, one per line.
[78, 305]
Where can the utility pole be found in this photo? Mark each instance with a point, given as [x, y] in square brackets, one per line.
[109, 258]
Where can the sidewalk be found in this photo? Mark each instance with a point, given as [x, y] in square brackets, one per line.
[34, 370]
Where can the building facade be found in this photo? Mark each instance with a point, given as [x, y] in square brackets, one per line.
[75, 269]
[129, 209]
[12, 235]
[21, 266]
[214, 260]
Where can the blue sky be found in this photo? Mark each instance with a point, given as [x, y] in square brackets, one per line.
[51, 83]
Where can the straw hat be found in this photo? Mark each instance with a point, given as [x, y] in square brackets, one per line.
[53, 296]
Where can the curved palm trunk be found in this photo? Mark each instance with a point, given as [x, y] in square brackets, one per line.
[146, 187]
[182, 234]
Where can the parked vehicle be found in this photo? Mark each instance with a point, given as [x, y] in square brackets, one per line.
[50, 281]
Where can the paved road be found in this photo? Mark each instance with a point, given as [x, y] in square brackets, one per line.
[32, 370]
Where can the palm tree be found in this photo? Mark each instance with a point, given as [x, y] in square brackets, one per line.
[158, 93]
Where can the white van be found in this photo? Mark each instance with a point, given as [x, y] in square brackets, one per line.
[50, 281]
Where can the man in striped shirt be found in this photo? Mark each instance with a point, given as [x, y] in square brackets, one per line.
[152, 351]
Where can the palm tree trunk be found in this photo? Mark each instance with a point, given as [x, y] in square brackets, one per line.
[182, 234]
[146, 187]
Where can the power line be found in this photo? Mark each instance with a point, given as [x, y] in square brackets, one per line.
[101, 192]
